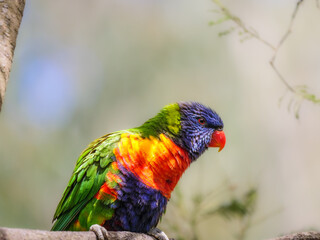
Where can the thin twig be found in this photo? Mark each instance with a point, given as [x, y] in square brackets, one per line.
[282, 40]
[251, 32]
[290, 88]
[246, 224]
[289, 30]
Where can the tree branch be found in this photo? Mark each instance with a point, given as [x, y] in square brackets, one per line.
[11, 12]
[28, 234]
[300, 236]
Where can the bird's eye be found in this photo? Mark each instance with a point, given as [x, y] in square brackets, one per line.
[201, 120]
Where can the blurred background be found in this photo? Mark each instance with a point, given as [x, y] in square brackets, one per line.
[85, 69]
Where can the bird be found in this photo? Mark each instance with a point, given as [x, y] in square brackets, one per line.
[123, 180]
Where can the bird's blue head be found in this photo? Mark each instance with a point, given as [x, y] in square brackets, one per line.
[201, 127]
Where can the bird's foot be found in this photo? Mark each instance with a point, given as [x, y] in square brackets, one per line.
[158, 234]
[99, 231]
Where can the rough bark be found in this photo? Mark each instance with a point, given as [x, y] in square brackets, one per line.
[300, 236]
[11, 12]
[27, 234]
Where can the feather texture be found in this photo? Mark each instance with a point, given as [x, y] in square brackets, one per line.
[124, 180]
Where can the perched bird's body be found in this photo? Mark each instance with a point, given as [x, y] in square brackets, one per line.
[124, 180]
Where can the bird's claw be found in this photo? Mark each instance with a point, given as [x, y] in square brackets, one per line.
[158, 234]
[99, 231]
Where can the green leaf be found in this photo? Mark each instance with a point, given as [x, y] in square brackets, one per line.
[237, 207]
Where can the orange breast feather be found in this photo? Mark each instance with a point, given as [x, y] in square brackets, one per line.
[158, 163]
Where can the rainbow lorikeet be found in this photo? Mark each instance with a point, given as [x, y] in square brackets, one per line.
[123, 180]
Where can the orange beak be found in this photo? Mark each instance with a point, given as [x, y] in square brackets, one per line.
[218, 140]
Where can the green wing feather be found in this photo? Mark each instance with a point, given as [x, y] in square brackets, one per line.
[93, 164]
[87, 178]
